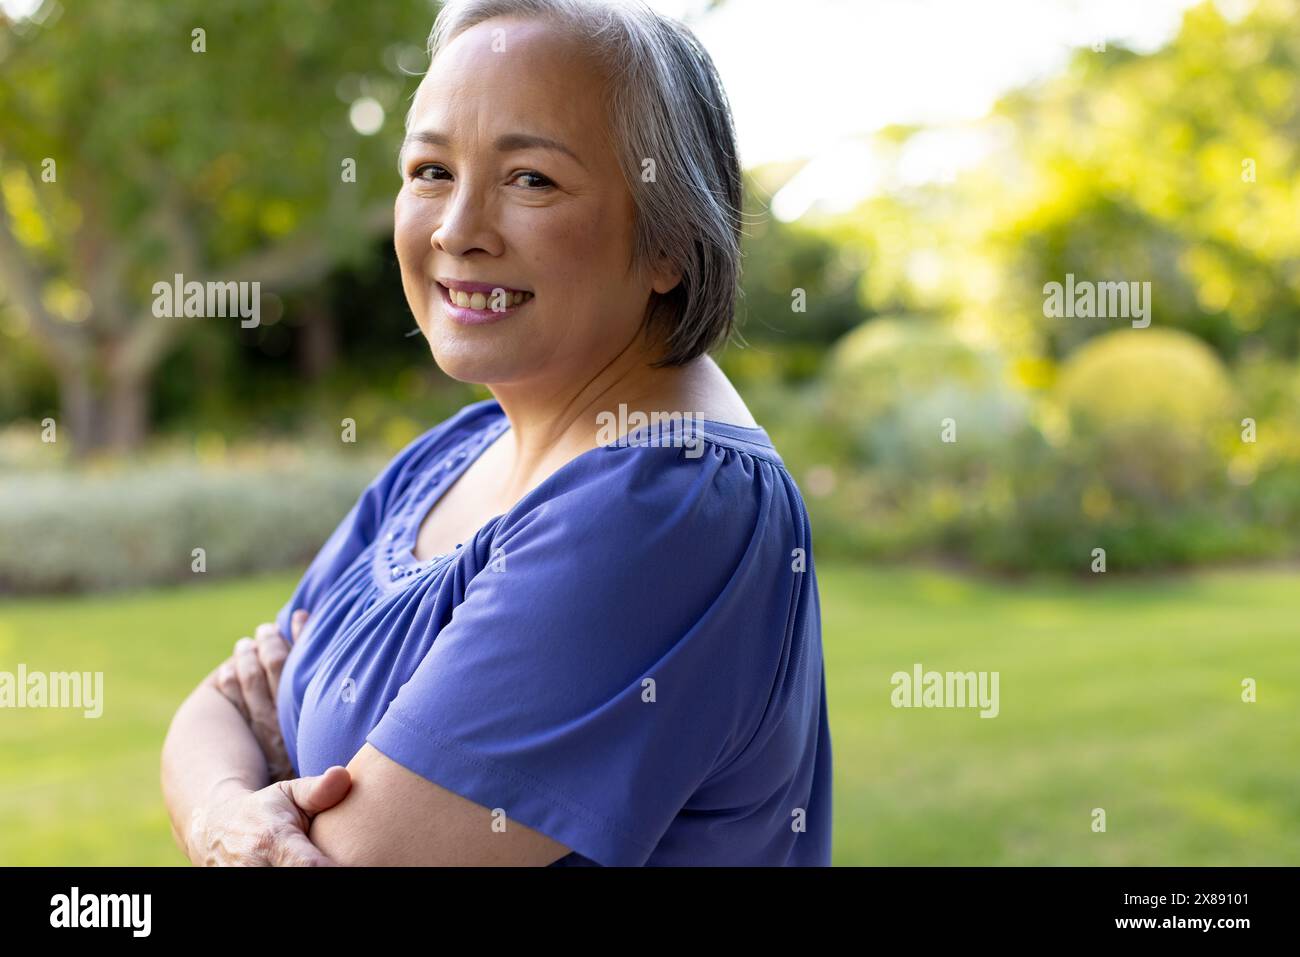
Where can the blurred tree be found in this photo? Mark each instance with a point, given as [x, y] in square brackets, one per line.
[798, 285]
[800, 290]
[216, 141]
[1181, 167]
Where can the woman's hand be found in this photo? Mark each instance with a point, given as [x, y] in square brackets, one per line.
[266, 828]
[250, 680]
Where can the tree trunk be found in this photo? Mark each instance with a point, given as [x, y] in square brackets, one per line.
[127, 419]
[319, 348]
[102, 409]
[78, 409]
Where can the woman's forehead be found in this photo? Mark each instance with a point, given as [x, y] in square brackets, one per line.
[510, 55]
[535, 83]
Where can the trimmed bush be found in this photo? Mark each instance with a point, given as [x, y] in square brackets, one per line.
[1150, 407]
[139, 525]
[894, 381]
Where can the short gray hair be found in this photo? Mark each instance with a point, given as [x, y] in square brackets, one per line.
[665, 104]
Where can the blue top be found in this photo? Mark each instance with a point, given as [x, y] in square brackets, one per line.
[629, 660]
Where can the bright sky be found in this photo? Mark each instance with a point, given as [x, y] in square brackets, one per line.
[802, 74]
[809, 78]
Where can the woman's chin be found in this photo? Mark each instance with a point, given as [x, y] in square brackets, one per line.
[493, 353]
[471, 362]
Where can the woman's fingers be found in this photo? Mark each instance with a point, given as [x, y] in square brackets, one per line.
[321, 792]
[295, 849]
[272, 650]
[228, 685]
[269, 826]
[263, 718]
[253, 683]
[297, 622]
[250, 680]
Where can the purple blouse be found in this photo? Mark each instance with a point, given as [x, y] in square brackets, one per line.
[629, 660]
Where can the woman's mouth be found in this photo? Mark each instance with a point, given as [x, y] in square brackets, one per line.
[475, 308]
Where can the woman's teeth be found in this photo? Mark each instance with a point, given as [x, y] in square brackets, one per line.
[477, 300]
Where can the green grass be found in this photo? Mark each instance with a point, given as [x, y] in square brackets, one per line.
[1116, 694]
[1120, 695]
[75, 790]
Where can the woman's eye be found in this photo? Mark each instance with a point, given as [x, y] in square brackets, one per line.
[543, 184]
[433, 173]
[427, 167]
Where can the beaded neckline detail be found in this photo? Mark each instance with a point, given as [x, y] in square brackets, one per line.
[395, 560]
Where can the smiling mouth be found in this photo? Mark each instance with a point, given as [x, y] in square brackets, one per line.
[478, 307]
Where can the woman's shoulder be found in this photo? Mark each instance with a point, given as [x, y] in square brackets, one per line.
[704, 486]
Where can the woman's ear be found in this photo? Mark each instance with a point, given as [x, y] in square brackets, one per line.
[665, 275]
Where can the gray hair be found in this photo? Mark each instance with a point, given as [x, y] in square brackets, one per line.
[670, 120]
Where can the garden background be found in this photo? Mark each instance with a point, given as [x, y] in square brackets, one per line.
[872, 332]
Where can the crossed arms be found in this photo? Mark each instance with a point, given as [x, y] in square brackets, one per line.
[233, 800]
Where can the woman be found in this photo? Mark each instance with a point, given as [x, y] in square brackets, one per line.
[527, 643]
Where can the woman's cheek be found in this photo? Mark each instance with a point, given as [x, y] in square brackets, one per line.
[409, 237]
[411, 241]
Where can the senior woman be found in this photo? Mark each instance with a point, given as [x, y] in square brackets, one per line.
[537, 640]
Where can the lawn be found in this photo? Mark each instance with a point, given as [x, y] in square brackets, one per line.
[1117, 694]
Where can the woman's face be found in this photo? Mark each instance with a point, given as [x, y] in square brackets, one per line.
[482, 202]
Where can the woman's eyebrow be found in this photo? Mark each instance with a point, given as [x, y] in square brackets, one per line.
[505, 143]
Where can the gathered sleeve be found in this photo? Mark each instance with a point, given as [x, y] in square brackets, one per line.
[617, 647]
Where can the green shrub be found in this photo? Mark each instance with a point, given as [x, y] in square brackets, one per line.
[1151, 407]
[1137, 449]
[139, 525]
[893, 383]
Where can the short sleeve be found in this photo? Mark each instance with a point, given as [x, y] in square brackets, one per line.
[361, 524]
[617, 647]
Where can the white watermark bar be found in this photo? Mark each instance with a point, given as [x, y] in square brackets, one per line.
[1098, 300]
[53, 689]
[668, 429]
[75, 909]
[202, 300]
[947, 689]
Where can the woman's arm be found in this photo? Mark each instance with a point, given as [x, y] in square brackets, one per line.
[222, 751]
[393, 817]
[208, 756]
[214, 784]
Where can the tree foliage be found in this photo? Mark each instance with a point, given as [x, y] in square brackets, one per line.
[145, 140]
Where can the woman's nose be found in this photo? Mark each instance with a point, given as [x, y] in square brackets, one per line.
[466, 225]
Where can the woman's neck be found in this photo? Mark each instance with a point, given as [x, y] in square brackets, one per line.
[553, 422]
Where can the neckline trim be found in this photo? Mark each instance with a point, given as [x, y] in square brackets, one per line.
[744, 438]
[395, 562]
